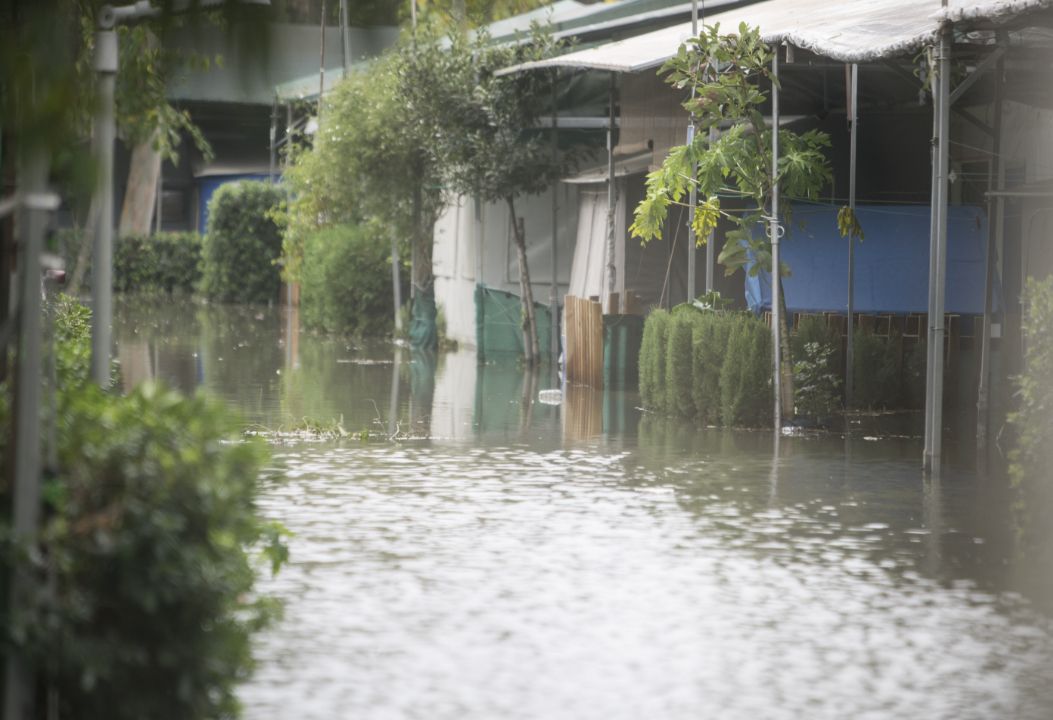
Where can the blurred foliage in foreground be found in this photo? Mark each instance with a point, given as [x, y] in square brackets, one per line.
[1032, 458]
[151, 546]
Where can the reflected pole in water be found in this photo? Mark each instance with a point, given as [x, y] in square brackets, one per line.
[393, 405]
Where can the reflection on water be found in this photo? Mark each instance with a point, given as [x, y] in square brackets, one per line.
[502, 558]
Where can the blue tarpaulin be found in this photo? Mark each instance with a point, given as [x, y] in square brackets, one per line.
[891, 264]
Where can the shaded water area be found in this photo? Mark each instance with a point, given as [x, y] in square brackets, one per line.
[487, 556]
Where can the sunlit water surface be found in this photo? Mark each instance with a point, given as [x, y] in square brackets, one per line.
[485, 556]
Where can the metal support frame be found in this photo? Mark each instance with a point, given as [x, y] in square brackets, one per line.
[853, 122]
[25, 515]
[995, 210]
[775, 231]
[612, 199]
[102, 261]
[938, 259]
[273, 157]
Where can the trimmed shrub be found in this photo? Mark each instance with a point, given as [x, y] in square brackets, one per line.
[162, 263]
[149, 541]
[678, 356]
[346, 281]
[1032, 457]
[652, 359]
[243, 243]
[710, 344]
[815, 329]
[914, 369]
[165, 262]
[875, 370]
[745, 378]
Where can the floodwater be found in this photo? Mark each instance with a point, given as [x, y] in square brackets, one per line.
[485, 556]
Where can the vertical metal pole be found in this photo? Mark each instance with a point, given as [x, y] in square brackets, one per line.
[102, 262]
[553, 299]
[936, 324]
[345, 37]
[159, 205]
[995, 179]
[692, 201]
[321, 62]
[612, 270]
[853, 118]
[711, 251]
[413, 14]
[931, 307]
[18, 682]
[288, 135]
[776, 280]
[396, 283]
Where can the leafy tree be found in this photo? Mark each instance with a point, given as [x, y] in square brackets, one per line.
[724, 70]
[490, 149]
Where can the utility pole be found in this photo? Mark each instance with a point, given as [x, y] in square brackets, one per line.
[102, 260]
[776, 231]
[692, 201]
[345, 37]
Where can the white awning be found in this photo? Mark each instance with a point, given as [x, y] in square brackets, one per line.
[847, 31]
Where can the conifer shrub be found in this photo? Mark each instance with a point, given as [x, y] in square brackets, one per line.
[914, 369]
[1031, 458]
[875, 371]
[745, 378]
[243, 243]
[679, 398]
[652, 359]
[346, 281]
[710, 344]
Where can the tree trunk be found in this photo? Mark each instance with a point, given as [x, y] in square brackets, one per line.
[140, 194]
[787, 357]
[531, 351]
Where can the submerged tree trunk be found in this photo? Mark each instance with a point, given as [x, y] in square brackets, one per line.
[787, 358]
[531, 351]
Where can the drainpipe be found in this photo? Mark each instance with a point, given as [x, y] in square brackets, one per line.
[853, 118]
[938, 265]
[776, 229]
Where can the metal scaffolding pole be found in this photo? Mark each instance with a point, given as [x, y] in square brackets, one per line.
[692, 201]
[938, 262]
[612, 270]
[102, 260]
[776, 281]
[853, 118]
[995, 207]
[25, 510]
[553, 299]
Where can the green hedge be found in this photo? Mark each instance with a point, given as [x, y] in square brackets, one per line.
[876, 371]
[818, 368]
[1032, 456]
[346, 281]
[710, 345]
[149, 543]
[745, 378]
[708, 365]
[166, 262]
[243, 243]
[652, 360]
[678, 362]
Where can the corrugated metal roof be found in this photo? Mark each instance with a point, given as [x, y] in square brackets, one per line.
[847, 31]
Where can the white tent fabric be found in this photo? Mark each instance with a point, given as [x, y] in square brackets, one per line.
[848, 31]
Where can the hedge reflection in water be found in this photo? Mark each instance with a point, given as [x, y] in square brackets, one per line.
[506, 558]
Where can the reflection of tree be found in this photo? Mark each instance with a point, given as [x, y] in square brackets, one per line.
[241, 356]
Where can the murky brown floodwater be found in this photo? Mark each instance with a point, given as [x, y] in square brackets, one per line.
[500, 558]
